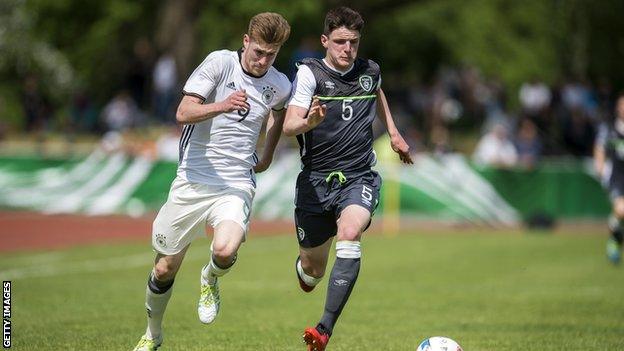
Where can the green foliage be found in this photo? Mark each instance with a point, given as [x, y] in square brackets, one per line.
[89, 44]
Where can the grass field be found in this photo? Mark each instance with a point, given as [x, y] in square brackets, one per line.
[489, 291]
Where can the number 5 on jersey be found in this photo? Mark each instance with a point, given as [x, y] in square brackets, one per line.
[347, 110]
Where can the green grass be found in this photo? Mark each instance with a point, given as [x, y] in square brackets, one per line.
[489, 291]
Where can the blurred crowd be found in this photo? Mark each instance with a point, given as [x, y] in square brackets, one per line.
[507, 128]
[510, 128]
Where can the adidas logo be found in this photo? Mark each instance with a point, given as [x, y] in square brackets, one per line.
[231, 85]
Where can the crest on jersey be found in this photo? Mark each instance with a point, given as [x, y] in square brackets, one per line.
[268, 93]
[366, 82]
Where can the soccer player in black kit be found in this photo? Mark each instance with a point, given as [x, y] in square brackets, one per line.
[334, 103]
[609, 163]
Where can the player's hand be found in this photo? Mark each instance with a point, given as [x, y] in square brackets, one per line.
[317, 113]
[262, 165]
[237, 101]
[399, 146]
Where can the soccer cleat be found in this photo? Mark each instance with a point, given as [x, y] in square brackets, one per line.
[305, 287]
[315, 340]
[146, 344]
[614, 251]
[209, 301]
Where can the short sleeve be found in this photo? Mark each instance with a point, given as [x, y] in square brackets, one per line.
[303, 88]
[206, 76]
[286, 87]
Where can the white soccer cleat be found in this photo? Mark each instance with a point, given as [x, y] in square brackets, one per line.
[146, 344]
[209, 301]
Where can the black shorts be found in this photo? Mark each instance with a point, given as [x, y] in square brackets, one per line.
[318, 203]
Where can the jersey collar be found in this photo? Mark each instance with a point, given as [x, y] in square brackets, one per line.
[341, 73]
[240, 61]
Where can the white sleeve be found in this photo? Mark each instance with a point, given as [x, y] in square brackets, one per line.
[205, 77]
[378, 83]
[303, 88]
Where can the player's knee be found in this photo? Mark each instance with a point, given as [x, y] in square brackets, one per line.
[349, 233]
[223, 254]
[164, 271]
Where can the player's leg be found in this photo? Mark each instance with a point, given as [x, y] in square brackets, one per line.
[177, 223]
[356, 204]
[314, 234]
[616, 220]
[353, 221]
[311, 263]
[230, 218]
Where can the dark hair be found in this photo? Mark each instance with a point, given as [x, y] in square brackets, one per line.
[342, 17]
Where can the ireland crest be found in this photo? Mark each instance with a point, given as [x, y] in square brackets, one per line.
[366, 82]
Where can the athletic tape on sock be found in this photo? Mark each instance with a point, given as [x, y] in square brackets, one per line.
[309, 280]
[348, 249]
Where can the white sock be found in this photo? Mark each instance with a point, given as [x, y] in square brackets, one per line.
[156, 305]
[211, 272]
[309, 280]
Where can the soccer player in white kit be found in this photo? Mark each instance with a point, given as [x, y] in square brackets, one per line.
[226, 100]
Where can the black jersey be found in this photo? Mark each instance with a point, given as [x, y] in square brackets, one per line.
[344, 140]
[613, 142]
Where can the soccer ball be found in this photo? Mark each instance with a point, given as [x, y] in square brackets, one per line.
[438, 343]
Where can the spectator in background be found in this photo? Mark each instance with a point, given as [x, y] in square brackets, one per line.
[139, 72]
[496, 149]
[165, 79]
[578, 133]
[528, 144]
[36, 109]
[440, 141]
[83, 113]
[535, 99]
[120, 113]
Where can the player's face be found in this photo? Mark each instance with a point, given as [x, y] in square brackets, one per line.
[258, 56]
[342, 47]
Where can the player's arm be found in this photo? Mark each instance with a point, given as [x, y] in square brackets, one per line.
[274, 131]
[305, 111]
[193, 110]
[300, 119]
[397, 142]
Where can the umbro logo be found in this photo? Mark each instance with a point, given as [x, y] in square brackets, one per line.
[329, 85]
[340, 282]
[231, 85]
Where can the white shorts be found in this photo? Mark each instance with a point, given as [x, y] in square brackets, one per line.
[190, 206]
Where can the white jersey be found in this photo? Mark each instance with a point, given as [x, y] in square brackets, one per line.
[221, 150]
